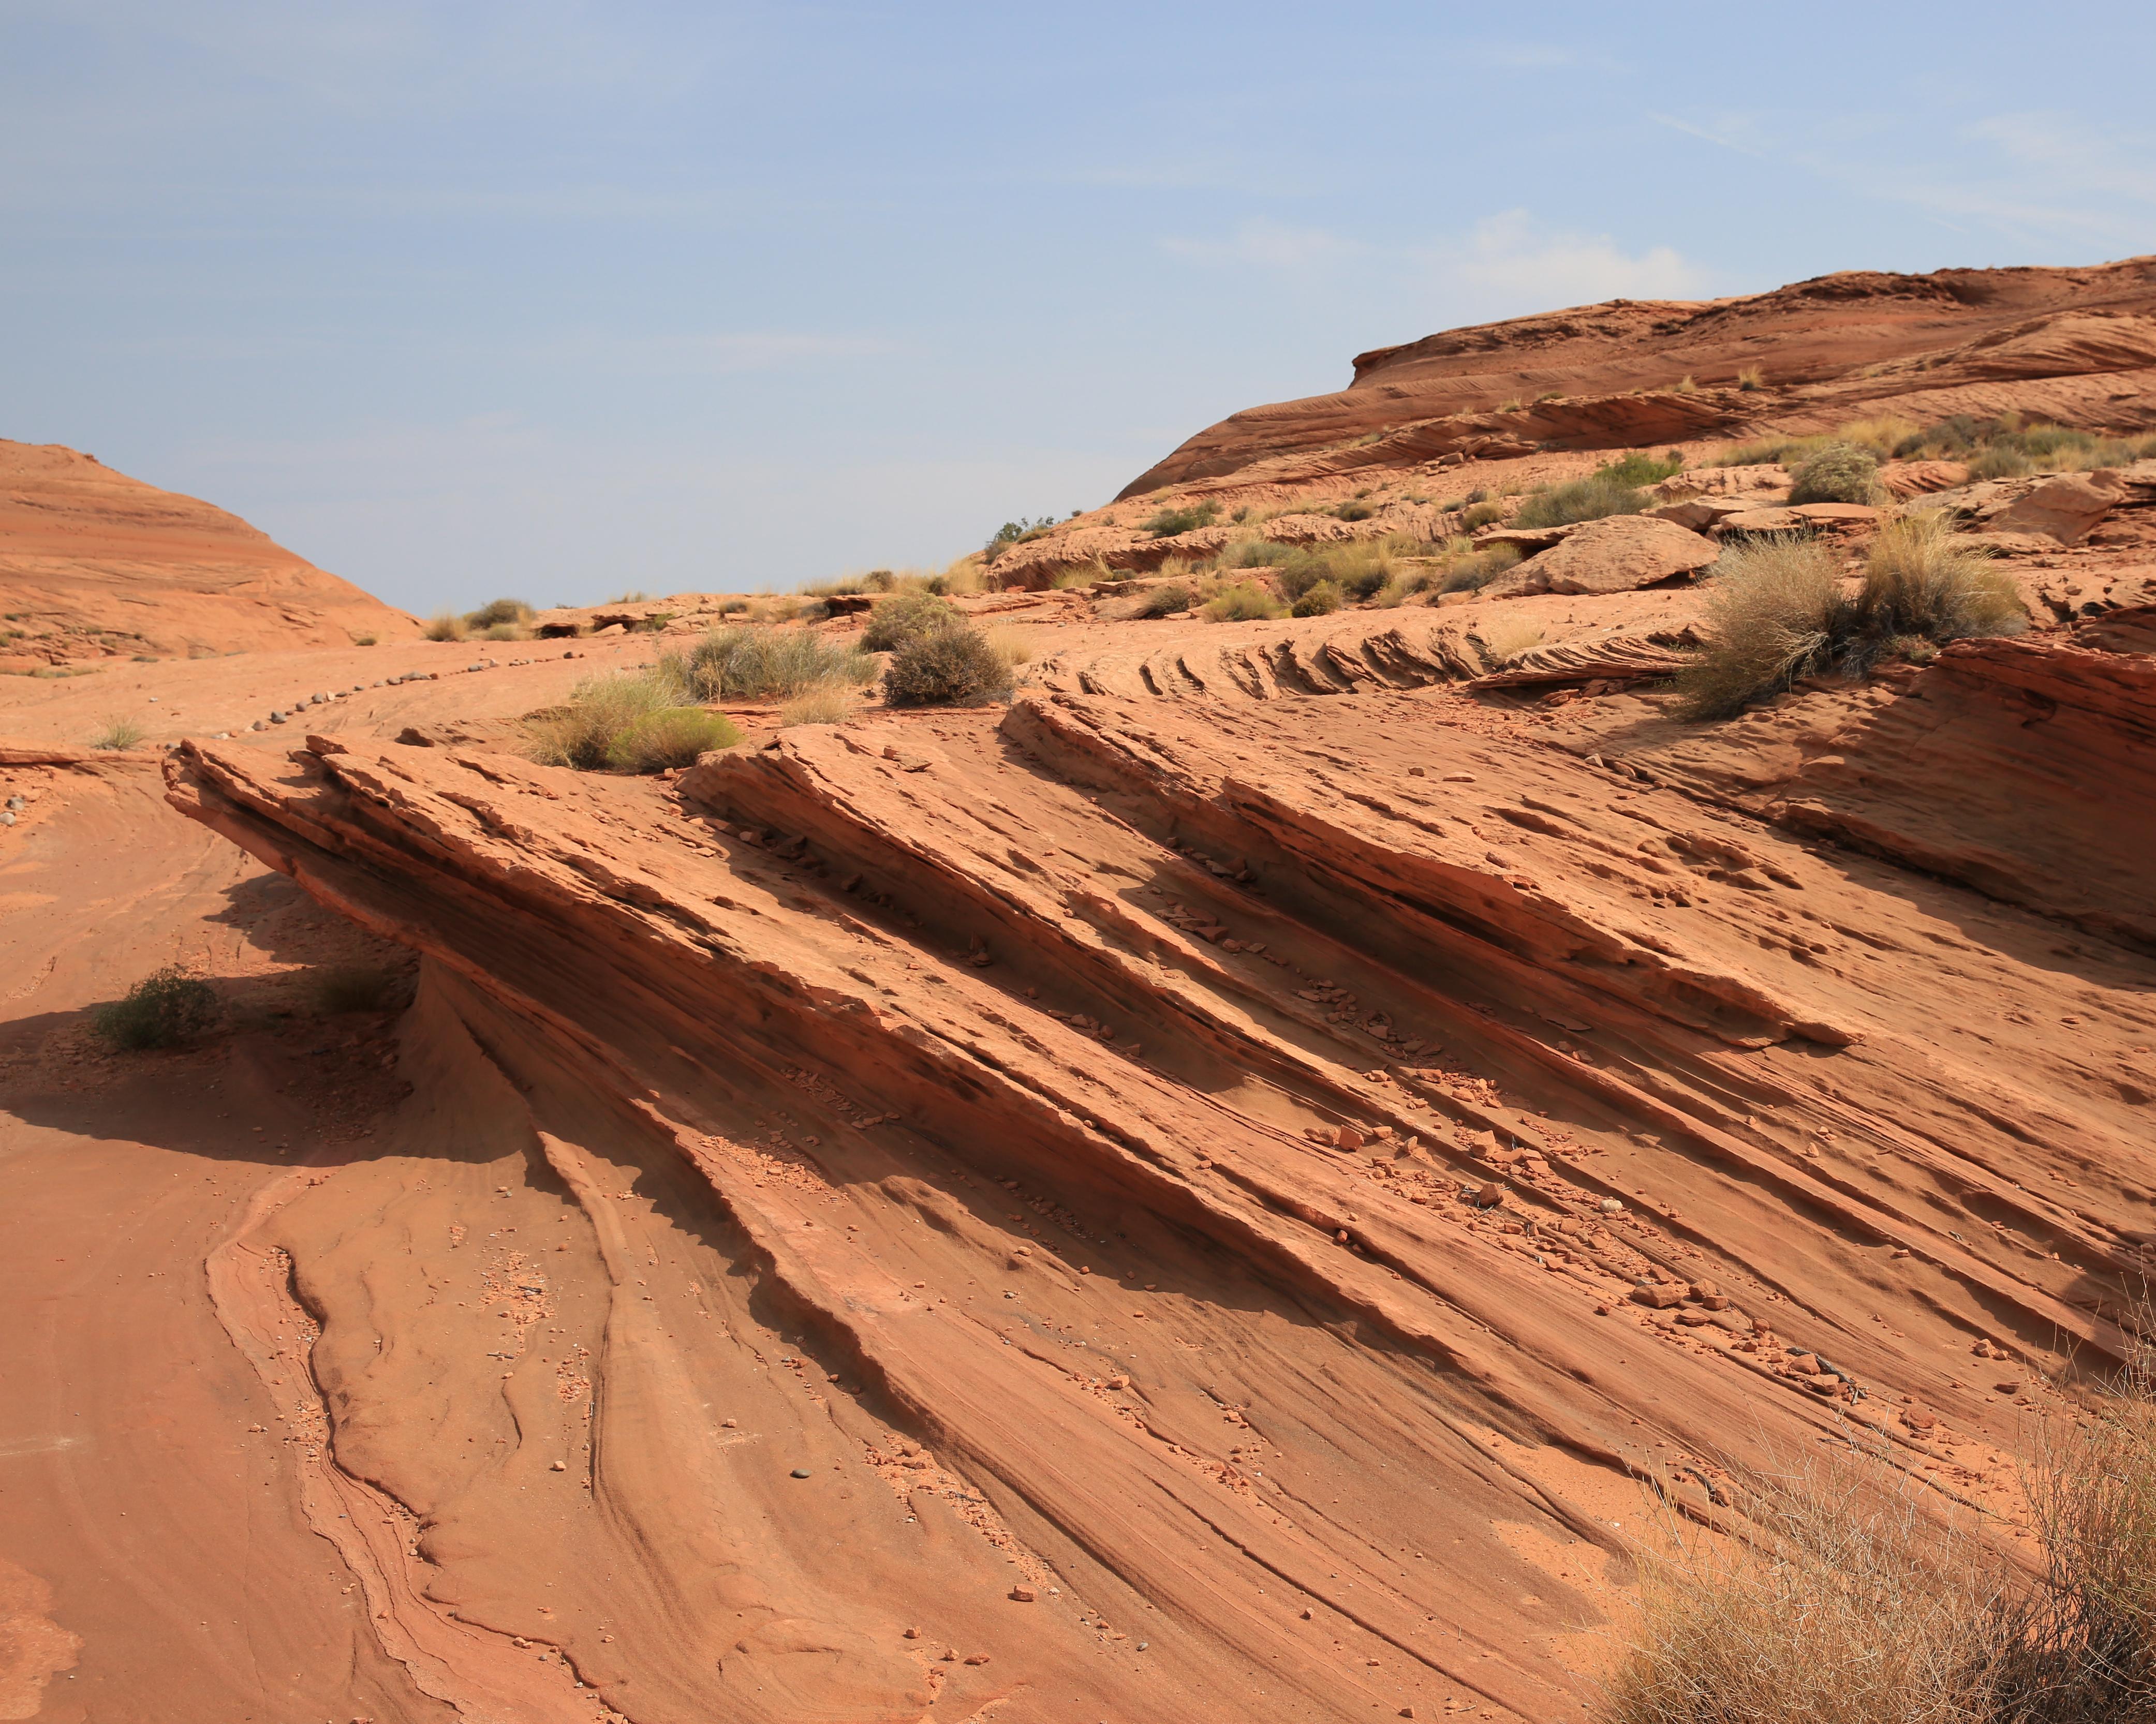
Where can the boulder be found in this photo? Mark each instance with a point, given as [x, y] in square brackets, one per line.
[1619, 553]
[2064, 508]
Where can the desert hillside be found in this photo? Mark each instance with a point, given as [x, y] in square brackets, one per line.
[1230, 1108]
[96, 566]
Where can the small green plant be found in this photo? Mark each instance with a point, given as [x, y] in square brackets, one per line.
[1320, 600]
[1245, 602]
[671, 736]
[761, 663]
[1477, 569]
[118, 733]
[1588, 499]
[1638, 467]
[955, 665]
[1838, 473]
[446, 625]
[897, 620]
[356, 987]
[1020, 531]
[1166, 523]
[158, 1011]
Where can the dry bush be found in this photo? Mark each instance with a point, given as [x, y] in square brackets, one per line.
[1772, 613]
[446, 625]
[1776, 611]
[1920, 579]
[672, 736]
[1166, 601]
[1850, 1604]
[1881, 434]
[497, 611]
[1837, 472]
[825, 703]
[1751, 377]
[903, 617]
[1245, 602]
[1167, 522]
[1013, 646]
[956, 665]
[1506, 638]
[118, 733]
[158, 1011]
[761, 663]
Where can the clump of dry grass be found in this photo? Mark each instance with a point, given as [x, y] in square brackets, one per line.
[119, 733]
[1777, 611]
[1506, 638]
[821, 703]
[1838, 472]
[1245, 602]
[761, 663]
[1850, 1603]
[446, 625]
[626, 721]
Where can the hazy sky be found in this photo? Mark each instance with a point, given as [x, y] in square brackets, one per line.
[552, 299]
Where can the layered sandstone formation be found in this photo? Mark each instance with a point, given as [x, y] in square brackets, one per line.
[95, 565]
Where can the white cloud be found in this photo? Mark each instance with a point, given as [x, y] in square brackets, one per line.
[1511, 257]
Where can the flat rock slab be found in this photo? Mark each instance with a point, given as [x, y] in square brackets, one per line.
[1620, 553]
[2064, 508]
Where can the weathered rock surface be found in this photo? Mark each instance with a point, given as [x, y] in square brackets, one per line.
[1621, 553]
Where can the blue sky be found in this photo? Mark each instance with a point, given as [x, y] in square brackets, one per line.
[553, 300]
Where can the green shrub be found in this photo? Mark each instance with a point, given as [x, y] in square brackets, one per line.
[1168, 600]
[1167, 522]
[1352, 511]
[497, 611]
[118, 733]
[1245, 602]
[896, 621]
[2000, 461]
[356, 987]
[446, 625]
[1638, 467]
[1837, 473]
[1020, 531]
[1588, 499]
[1777, 611]
[599, 709]
[671, 736]
[956, 665]
[1320, 600]
[1480, 514]
[158, 1011]
[761, 663]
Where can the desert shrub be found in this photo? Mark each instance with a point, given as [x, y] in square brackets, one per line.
[955, 665]
[1777, 611]
[1012, 645]
[1506, 638]
[1638, 467]
[1836, 473]
[1320, 600]
[1245, 602]
[1480, 514]
[1587, 498]
[656, 623]
[1751, 377]
[1020, 531]
[1168, 600]
[900, 619]
[671, 736]
[732, 607]
[363, 640]
[634, 595]
[117, 734]
[1166, 522]
[1922, 581]
[1881, 434]
[1352, 511]
[580, 733]
[1773, 611]
[506, 631]
[1687, 385]
[497, 611]
[1477, 569]
[761, 663]
[825, 703]
[1999, 460]
[446, 625]
[1852, 1605]
[356, 987]
[158, 1011]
